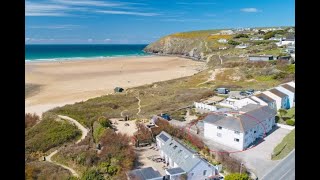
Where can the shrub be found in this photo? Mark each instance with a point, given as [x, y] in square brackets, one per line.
[241, 36]
[290, 122]
[92, 174]
[105, 123]
[31, 120]
[232, 42]
[237, 176]
[50, 133]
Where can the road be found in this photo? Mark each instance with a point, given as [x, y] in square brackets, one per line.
[285, 170]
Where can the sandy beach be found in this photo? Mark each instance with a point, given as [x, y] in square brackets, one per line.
[67, 82]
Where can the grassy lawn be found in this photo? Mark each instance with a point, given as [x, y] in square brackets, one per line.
[285, 147]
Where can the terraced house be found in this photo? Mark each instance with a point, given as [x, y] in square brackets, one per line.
[240, 130]
[182, 160]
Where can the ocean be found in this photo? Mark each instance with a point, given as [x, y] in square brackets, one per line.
[81, 51]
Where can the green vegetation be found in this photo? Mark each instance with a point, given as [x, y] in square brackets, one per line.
[45, 170]
[113, 161]
[50, 133]
[179, 115]
[236, 176]
[160, 97]
[92, 174]
[285, 147]
[271, 34]
[241, 36]
[234, 43]
[287, 116]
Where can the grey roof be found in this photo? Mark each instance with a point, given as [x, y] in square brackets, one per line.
[278, 93]
[290, 88]
[224, 109]
[252, 115]
[176, 170]
[180, 154]
[143, 174]
[254, 100]
[265, 98]
[163, 137]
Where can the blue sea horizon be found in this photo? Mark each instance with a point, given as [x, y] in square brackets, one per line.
[60, 52]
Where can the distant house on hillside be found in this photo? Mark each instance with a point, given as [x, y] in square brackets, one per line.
[260, 57]
[226, 32]
[239, 131]
[287, 58]
[241, 46]
[118, 89]
[222, 41]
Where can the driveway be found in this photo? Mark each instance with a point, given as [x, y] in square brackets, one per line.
[258, 159]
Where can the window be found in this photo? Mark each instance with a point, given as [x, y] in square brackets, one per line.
[180, 151]
[254, 131]
[236, 139]
[204, 172]
[219, 127]
[236, 132]
[174, 147]
[219, 134]
[170, 144]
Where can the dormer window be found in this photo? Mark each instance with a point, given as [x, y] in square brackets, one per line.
[219, 127]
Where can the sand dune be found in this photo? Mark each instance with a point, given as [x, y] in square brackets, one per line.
[68, 82]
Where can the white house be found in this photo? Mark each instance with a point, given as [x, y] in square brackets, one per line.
[285, 42]
[284, 98]
[236, 104]
[226, 32]
[269, 101]
[222, 41]
[181, 159]
[241, 46]
[274, 97]
[240, 131]
[204, 106]
[288, 90]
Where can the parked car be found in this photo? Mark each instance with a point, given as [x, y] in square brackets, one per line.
[250, 91]
[243, 93]
[222, 90]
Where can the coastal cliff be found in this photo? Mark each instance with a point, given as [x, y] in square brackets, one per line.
[170, 45]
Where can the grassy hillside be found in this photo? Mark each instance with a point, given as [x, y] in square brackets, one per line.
[49, 133]
[203, 45]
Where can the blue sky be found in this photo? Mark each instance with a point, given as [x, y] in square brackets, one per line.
[144, 21]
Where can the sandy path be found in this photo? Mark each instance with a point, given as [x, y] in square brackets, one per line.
[73, 81]
[83, 136]
[139, 105]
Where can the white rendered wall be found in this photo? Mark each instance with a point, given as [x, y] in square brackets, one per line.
[205, 106]
[198, 171]
[293, 84]
[227, 136]
[274, 97]
[287, 92]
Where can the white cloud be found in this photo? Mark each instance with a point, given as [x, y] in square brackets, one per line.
[42, 9]
[107, 39]
[195, 3]
[62, 26]
[128, 13]
[249, 10]
[90, 40]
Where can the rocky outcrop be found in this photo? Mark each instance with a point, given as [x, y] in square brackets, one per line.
[185, 47]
